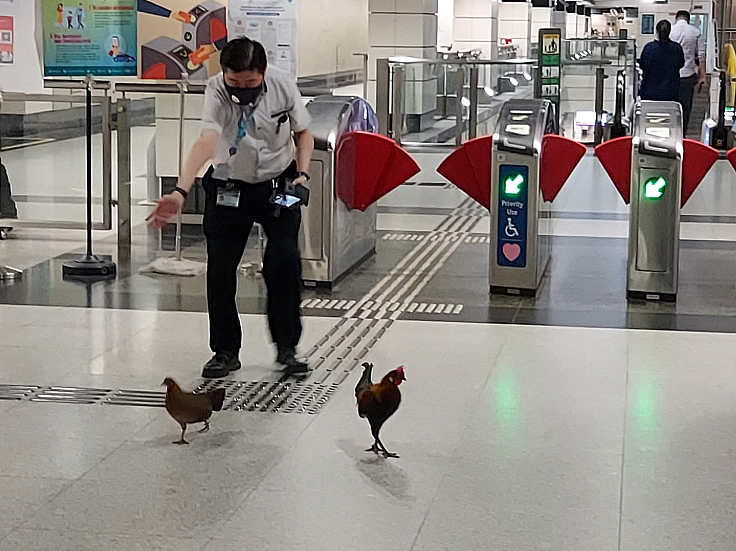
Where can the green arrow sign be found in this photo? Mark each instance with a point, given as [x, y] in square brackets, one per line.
[654, 187]
[512, 185]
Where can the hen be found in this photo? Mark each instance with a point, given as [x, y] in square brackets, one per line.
[187, 408]
[378, 402]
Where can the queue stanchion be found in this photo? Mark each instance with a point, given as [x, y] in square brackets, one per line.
[89, 266]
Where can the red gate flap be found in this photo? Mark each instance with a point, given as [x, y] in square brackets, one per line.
[368, 167]
[697, 159]
[560, 156]
[469, 168]
[615, 156]
[731, 155]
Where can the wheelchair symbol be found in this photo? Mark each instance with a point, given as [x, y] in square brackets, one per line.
[511, 230]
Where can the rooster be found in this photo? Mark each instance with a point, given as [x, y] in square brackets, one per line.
[378, 402]
[187, 408]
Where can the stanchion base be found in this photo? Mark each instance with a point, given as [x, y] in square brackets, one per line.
[90, 267]
[8, 274]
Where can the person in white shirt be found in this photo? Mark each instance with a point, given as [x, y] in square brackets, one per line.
[255, 134]
[693, 73]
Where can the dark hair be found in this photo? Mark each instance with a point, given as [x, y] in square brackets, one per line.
[244, 54]
[663, 30]
[683, 14]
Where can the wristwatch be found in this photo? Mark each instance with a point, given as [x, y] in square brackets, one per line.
[181, 192]
[302, 173]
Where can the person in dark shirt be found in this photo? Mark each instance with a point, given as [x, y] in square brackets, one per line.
[661, 61]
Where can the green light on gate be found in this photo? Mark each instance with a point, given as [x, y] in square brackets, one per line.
[654, 187]
[512, 184]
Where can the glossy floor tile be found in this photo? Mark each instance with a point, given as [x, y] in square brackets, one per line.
[510, 436]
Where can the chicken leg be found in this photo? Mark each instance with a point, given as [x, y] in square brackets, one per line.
[182, 441]
[386, 453]
[206, 427]
[378, 446]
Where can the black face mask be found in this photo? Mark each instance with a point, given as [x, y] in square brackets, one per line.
[244, 96]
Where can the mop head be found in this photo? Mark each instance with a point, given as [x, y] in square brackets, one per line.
[172, 266]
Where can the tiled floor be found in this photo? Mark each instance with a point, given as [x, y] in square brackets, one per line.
[573, 421]
[510, 437]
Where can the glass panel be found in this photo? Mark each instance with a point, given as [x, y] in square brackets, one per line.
[430, 96]
[44, 153]
[580, 60]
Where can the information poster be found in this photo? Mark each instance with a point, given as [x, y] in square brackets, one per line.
[181, 38]
[273, 23]
[90, 36]
[7, 31]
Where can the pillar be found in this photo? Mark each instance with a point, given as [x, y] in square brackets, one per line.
[476, 27]
[406, 28]
[514, 20]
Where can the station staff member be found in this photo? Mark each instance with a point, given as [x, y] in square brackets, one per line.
[693, 73]
[255, 132]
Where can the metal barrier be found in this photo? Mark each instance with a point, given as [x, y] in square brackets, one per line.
[104, 102]
[334, 237]
[470, 93]
[122, 107]
[656, 171]
[516, 174]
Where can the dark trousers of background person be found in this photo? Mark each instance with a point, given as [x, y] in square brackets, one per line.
[226, 230]
[687, 90]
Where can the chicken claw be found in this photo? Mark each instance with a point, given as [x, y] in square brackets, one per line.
[374, 449]
[206, 427]
[181, 440]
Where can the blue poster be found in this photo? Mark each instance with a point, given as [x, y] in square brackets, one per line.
[513, 194]
[90, 36]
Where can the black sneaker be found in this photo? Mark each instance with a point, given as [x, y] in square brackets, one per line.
[287, 359]
[221, 365]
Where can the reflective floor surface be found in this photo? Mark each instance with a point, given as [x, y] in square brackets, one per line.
[511, 437]
[572, 421]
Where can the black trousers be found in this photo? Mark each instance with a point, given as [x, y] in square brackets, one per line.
[687, 90]
[226, 230]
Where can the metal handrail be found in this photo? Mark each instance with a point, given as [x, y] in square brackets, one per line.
[76, 84]
[400, 60]
[47, 98]
[159, 87]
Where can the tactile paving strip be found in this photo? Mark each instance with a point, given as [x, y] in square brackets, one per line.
[81, 395]
[260, 396]
[272, 397]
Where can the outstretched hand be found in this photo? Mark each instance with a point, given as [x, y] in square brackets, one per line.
[166, 207]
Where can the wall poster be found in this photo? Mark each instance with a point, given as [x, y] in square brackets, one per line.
[273, 23]
[181, 38]
[89, 36]
[7, 31]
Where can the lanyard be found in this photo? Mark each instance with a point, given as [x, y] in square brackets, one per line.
[243, 123]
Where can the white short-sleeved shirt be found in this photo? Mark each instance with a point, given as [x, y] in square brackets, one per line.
[688, 36]
[268, 147]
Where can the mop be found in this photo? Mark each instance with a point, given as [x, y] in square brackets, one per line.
[177, 265]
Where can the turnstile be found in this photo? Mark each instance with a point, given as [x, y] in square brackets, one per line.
[656, 187]
[333, 238]
[655, 171]
[519, 252]
[516, 174]
[352, 167]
